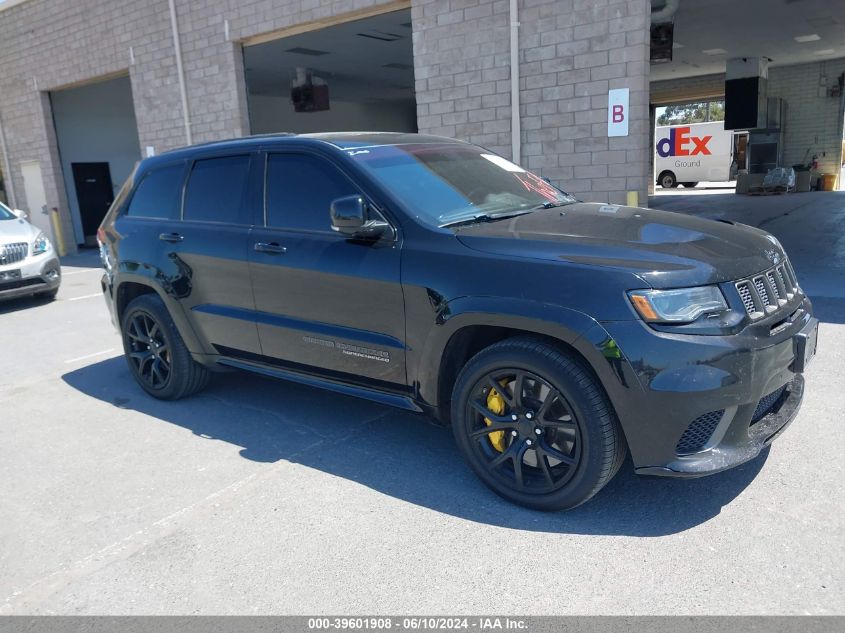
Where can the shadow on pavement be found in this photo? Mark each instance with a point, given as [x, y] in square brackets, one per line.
[401, 454]
[7, 306]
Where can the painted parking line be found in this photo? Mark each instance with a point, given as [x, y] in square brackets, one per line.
[96, 294]
[87, 356]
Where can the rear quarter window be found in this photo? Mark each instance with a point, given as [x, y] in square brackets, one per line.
[159, 193]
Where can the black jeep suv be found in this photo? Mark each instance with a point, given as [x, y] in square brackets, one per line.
[433, 275]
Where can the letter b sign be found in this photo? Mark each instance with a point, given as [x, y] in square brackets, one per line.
[617, 112]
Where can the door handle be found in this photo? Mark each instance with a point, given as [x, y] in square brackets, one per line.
[170, 237]
[272, 247]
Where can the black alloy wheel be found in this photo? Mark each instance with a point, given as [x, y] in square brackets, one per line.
[149, 351]
[156, 353]
[536, 445]
[535, 425]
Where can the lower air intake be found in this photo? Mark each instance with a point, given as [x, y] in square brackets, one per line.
[767, 404]
[698, 433]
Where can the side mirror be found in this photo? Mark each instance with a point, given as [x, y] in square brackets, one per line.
[349, 217]
[19, 213]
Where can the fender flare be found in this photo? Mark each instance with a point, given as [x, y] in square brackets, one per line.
[174, 307]
[573, 328]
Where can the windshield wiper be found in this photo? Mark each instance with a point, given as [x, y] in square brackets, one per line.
[552, 205]
[484, 217]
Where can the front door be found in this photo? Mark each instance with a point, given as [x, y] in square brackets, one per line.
[94, 193]
[324, 304]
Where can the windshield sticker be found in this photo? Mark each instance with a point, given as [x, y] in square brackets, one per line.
[536, 184]
[503, 163]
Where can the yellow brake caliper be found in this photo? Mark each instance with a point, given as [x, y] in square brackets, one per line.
[496, 404]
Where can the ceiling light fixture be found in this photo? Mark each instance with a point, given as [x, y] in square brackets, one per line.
[812, 37]
[714, 51]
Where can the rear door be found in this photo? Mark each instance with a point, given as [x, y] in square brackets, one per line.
[325, 304]
[205, 263]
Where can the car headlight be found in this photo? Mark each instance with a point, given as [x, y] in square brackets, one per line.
[682, 305]
[40, 245]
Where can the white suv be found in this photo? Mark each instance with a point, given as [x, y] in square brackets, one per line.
[28, 263]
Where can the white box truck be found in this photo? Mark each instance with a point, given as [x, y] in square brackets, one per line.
[691, 153]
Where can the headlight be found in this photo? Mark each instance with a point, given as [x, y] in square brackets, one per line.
[40, 245]
[683, 305]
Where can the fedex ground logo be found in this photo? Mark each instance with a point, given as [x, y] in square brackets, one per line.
[680, 143]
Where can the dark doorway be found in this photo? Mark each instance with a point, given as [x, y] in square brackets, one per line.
[94, 193]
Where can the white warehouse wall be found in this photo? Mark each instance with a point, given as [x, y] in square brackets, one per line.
[276, 114]
[95, 124]
[812, 121]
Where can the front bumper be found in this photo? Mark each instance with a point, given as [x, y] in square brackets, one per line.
[38, 274]
[708, 403]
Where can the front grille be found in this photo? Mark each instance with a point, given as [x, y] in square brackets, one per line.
[698, 433]
[13, 253]
[767, 404]
[769, 291]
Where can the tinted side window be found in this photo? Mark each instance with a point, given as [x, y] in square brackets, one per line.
[215, 191]
[300, 189]
[159, 193]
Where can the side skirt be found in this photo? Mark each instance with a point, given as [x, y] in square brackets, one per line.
[389, 399]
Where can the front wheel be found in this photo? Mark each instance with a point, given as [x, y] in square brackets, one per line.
[155, 352]
[535, 426]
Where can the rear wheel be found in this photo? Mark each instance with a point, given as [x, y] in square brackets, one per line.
[689, 185]
[667, 180]
[155, 352]
[535, 426]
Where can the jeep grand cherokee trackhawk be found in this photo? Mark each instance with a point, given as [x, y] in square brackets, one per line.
[433, 275]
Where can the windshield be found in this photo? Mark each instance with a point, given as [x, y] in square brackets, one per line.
[6, 213]
[445, 183]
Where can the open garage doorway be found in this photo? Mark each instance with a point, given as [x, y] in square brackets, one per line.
[356, 75]
[98, 144]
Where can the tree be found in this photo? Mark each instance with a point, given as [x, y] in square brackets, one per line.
[692, 113]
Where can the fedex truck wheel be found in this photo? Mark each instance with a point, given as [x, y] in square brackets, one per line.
[667, 180]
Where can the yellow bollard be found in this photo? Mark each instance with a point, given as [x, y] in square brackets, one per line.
[56, 221]
[633, 199]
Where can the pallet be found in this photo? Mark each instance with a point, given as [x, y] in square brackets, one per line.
[759, 191]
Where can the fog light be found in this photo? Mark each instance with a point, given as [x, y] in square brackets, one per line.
[52, 274]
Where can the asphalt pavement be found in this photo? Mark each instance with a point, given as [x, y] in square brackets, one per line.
[263, 497]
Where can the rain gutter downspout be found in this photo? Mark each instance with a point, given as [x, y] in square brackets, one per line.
[7, 169]
[516, 131]
[183, 92]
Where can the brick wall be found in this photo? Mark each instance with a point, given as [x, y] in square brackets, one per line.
[812, 122]
[462, 70]
[571, 53]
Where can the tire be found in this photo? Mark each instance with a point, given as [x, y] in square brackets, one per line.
[579, 425]
[689, 185]
[50, 295]
[156, 353]
[667, 180]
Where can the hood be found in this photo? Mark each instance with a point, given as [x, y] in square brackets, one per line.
[665, 249]
[17, 230]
